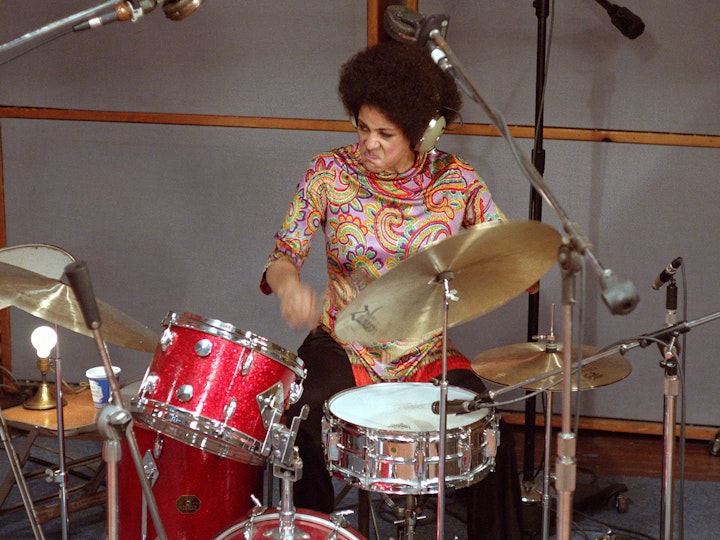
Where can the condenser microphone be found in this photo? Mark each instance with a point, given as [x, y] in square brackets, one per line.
[409, 26]
[667, 273]
[629, 24]
[402, 23]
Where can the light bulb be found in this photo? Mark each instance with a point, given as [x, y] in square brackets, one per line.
[43, 339]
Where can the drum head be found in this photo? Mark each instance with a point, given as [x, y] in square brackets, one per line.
[400, 407]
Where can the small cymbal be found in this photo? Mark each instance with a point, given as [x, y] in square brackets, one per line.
[513, 364]
[487, 265]
[55, 302]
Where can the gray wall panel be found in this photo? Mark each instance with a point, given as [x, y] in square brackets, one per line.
[181, 218]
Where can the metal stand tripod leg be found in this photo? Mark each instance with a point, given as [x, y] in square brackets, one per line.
[19, 478]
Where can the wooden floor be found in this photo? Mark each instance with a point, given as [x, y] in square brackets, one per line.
[626, 454]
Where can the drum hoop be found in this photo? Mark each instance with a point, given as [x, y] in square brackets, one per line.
[200, 432]
[231, 333]
[345, 422]
[307, 515]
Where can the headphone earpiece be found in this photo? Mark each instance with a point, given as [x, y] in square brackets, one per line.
[432, 134]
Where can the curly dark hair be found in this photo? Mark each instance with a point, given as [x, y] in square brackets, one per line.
[403, 82]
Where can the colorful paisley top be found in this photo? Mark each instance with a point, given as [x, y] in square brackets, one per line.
[372, 222]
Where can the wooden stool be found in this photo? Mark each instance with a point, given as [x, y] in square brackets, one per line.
[79, 422]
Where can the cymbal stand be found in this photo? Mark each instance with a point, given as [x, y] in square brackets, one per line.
[60, 476]
[620, 296]
[118, 416]
[444, 278]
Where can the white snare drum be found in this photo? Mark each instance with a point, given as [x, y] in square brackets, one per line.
[306, 524]
[384, 437]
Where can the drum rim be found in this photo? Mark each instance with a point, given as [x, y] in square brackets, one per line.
[234, 334]
[315, 518]
[218, 439]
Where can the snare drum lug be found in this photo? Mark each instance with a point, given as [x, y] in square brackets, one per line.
[167, 339]
[492, 441]
[185, 393]
[203, 348]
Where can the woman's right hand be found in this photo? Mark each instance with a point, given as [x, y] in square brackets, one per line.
[298, 301]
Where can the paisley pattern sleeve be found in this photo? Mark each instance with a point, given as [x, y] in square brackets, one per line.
[304, 216]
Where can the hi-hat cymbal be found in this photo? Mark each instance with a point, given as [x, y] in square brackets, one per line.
[55, 302]
[488, 265]
[513, 364]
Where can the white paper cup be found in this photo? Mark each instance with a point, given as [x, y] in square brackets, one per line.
[99, 384]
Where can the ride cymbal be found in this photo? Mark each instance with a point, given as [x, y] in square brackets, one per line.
[513, 364]
[486, 265]
[55, 302]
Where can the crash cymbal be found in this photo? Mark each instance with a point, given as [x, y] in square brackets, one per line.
[489, 265]
[514, 364]
[55, 302]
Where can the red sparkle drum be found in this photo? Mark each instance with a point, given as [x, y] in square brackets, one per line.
[198, 494]
[384, 437]
[217, 388]
[307, 524]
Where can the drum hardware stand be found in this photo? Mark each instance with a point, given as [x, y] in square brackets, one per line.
[444, 278]
[117, 416]
[407, 516]
[61, 476]
[620, 296]
[671, 389]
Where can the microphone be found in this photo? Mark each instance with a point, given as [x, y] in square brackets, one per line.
[457, 406]
[409, 26]
[176, 10]
[629, 24]
[667, 273]
[402, 23]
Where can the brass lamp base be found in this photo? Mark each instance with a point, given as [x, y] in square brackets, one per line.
[43, 399]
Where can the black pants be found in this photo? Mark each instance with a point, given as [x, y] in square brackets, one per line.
[493, 504]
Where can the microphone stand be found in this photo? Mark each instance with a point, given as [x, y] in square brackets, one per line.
[535, 213]
[620, 297]
[671, 389]
[25, 43]
[117, 418]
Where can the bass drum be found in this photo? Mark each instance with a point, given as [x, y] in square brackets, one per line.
[198, 494]
[315, 526]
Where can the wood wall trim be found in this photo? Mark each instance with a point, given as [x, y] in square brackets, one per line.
[617, 425]
[5, 352]
[485, 130]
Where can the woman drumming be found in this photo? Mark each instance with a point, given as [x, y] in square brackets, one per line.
[377, 202]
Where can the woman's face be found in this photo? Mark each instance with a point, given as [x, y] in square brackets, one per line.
[383, 145]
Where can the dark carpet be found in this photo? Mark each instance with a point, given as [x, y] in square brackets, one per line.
[595, 517]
